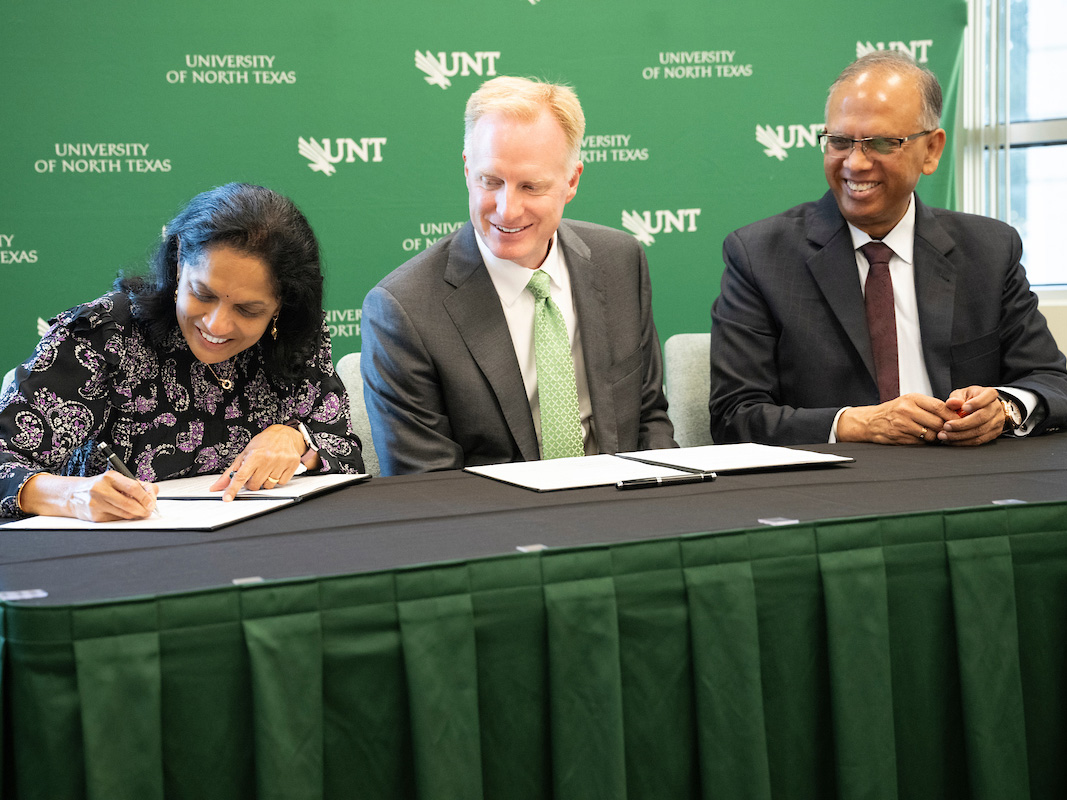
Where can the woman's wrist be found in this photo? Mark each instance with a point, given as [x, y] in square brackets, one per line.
[305, 436]
[44, 493]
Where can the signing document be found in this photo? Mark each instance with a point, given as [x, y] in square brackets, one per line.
[186, 504]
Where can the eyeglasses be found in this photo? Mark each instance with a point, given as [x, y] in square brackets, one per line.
[841, 146]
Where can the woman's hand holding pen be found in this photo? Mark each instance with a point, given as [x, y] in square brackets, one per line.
[100, 498]
[112, 496]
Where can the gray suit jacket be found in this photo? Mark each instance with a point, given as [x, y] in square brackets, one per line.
[789, 340]
[443, 387]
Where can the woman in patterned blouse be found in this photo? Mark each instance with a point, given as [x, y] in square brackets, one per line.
[217, 361]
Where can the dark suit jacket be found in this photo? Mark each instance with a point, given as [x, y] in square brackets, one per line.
[441, 380]
[789, 340]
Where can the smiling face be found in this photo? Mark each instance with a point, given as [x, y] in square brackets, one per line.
[519, 177]
[873, 191]
[225, 303]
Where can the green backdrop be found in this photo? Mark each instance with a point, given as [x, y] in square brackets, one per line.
[700, 118]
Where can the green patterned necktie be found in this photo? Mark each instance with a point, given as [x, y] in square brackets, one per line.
[561, 422]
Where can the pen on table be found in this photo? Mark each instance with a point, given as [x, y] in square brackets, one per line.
[669, 480]
[118, 466]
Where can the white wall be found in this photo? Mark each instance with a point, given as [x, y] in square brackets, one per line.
[1053, 304]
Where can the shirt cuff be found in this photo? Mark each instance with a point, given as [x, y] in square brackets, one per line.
[833, 428]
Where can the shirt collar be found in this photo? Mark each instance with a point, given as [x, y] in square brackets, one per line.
[509, 278]
[901, 240]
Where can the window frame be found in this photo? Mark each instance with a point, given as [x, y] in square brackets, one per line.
[989, 134]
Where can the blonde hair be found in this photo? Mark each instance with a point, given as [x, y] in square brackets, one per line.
[524, 99]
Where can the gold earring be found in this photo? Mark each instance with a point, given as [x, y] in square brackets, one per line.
[274, 327]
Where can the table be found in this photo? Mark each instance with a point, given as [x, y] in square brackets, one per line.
[905, 639]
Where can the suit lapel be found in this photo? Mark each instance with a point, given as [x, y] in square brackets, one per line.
[475, 311]
[591, 304]
[935, 289]
[833, 266]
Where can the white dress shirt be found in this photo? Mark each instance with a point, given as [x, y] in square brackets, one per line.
[510, 280]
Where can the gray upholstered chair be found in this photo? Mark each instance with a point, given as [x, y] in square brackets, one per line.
[348, 371]
[687, 382]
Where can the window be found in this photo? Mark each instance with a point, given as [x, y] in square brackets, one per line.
[1015, 125]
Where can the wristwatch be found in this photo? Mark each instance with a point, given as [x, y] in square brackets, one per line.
[298, 425]
[1013, 418]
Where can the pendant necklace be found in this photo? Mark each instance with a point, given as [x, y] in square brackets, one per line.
[225, 383]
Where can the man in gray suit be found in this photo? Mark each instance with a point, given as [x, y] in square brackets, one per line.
[955, 351]
[448, 360]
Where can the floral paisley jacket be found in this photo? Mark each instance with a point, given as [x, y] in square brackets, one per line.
[95, 377]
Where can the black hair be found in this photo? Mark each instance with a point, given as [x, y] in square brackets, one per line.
[257, 222]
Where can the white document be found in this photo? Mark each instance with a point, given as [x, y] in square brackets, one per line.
[721, 458]
[301, 486]
[187, 504]
[174, 515]
[573, 473]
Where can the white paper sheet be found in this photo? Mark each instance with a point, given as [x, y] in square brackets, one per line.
[180, 515]
[572, 473]
[197, 487]
[721, 458]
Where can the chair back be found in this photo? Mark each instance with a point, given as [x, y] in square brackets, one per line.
[687, 383]
[348, 372]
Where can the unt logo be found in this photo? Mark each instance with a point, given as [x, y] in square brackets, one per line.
[640, 224]
[438, 71]
[777, 140]
[916, 47]
[322, 156]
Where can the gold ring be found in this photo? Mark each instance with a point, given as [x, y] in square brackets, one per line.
[270, 480]
[922, 435]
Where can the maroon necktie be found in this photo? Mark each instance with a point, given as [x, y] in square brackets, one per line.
[882, 319]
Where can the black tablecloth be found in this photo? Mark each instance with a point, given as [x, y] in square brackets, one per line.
[394, 522]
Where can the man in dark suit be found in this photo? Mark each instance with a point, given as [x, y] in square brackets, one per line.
[450, 357]
[932, 336]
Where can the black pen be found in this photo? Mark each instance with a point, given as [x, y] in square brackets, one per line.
[669, 480]
[118, 466]
[115, 461]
